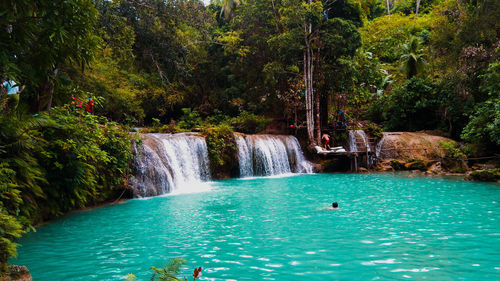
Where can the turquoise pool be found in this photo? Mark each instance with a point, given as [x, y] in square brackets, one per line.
[387, 227]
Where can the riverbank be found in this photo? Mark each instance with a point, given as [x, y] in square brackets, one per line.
[424, 152]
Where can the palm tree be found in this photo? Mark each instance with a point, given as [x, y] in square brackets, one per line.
[412, 59]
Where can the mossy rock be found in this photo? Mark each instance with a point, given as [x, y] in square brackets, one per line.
[398, 165]
[455, 165]
[416, 164]
[484, 175]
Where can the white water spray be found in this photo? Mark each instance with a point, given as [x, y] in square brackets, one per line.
[171, 163]
[358, 141]
[267, 155]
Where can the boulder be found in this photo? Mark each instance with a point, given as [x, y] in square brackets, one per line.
[18, 273]
[409, 145]
[435, 168]
[397, 165]
[363, 170]
[416, 164]
[484, 175]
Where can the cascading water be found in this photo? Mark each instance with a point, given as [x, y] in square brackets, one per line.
[358, 139]
[178, 163]
[169, 163]
[378, 149]
[244, 157]
[266, 155]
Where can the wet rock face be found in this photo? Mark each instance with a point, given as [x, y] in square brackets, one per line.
[491, 175]
[409, 145]
[18, 273]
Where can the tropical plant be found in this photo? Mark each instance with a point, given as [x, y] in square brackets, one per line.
[451, 150]
[412, 106]
[190, 119]
[412, 59]
[484, 122]
[10, 229]
[169, 272]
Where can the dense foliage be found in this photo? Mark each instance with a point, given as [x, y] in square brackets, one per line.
[54, 163]
[222, 151]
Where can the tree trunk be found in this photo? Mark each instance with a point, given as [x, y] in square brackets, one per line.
[46, 92]
[416, 11]
[317, 96]
[308, 84]
[388, 8]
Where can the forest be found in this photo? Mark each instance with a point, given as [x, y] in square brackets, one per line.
[219, 67]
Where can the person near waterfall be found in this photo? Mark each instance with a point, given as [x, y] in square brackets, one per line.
[325, 139]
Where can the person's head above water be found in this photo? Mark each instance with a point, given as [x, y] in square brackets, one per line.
[335, 205]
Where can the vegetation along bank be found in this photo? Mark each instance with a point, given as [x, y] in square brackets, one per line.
[77, 75]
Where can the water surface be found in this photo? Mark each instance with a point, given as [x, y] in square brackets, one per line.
[387, 227]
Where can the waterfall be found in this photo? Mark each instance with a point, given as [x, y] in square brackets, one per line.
[169, 163]
[378, 149]
[178, 163]
[265, 155]
[244, 157]
[357, 138]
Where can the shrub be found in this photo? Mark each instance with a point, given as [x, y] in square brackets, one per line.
[453, 158]
[484, 124]
[85, 159]
[374, 131]
[451, 150]
[10, 229]
[222, 150]
[249, 123]
[157, 127]
[190, 120]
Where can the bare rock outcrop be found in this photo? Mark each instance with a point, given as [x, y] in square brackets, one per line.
[409, 145]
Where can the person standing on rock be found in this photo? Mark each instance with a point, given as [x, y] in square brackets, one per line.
[325, 139]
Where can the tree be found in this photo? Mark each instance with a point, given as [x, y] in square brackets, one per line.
[303, 18]
[484, 123]
[412, 59]
[42, 37]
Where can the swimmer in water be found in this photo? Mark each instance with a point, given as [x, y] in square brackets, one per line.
[335, 205]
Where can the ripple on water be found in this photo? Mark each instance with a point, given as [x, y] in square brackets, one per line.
[388, 227]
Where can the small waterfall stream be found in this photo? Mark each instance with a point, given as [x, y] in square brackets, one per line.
[358, 139]
[167, 163]
[267, 155]
[380, 144]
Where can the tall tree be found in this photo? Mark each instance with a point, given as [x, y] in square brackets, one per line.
[41, 37]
